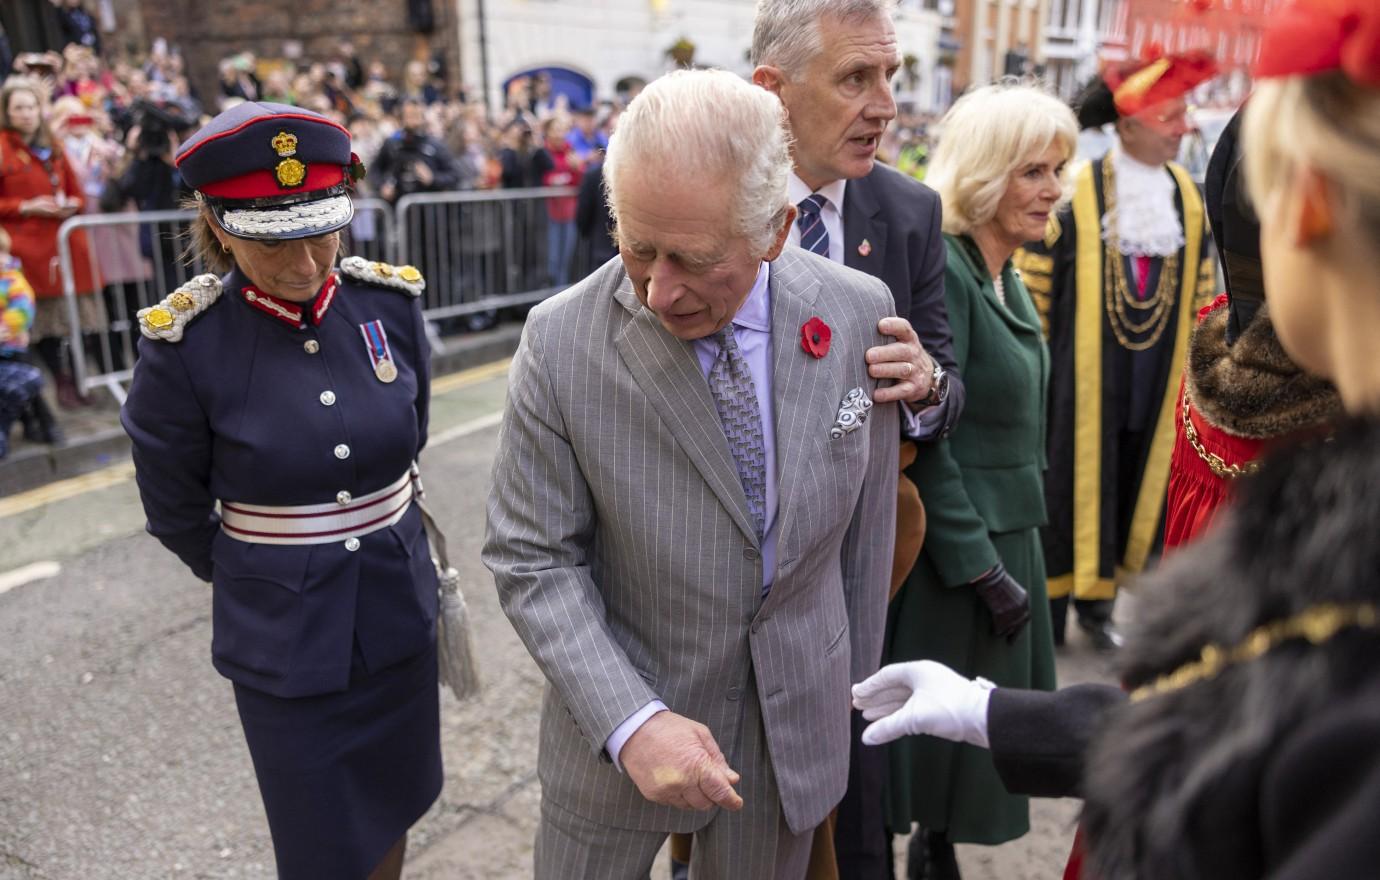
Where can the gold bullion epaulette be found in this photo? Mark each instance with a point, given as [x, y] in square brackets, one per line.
[166, 320]
[404, 278]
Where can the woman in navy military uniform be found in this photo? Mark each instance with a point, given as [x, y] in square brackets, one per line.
[294, 392]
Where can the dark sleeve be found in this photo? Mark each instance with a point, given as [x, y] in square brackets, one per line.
[541, 164]
[930, 317]
[445, 170]
[1320, 796]
[423, 369]
[589, 206]
[384, 162]
[171, 439]
[1038, 738]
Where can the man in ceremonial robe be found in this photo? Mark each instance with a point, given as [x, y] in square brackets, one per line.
[1117, 281]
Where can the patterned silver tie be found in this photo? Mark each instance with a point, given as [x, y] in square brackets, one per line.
[730, 384]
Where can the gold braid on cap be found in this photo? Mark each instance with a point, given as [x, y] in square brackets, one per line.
[1317, 624]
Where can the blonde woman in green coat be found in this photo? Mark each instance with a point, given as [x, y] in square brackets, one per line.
[976, 600]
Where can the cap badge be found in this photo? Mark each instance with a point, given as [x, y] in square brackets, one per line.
[290, 172]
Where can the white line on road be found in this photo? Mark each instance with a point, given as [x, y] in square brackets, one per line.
[465, 429]
[27, 574]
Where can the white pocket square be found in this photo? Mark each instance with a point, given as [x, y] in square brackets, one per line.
[852, 413]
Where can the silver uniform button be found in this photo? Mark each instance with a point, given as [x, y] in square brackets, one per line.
[343, 498]
[342, 452]
[327, 398]
[352, 544]
[311, 346]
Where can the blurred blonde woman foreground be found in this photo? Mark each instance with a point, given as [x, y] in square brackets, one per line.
[976, 599]
[1249, 745]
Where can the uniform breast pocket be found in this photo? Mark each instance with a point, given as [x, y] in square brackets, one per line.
[256, 605]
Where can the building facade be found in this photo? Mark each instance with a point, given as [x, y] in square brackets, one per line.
[988, 39]
[614, 44]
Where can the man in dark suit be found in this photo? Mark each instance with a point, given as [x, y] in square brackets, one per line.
[835, 80]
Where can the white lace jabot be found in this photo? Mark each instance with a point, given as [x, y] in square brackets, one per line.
[1145, 221]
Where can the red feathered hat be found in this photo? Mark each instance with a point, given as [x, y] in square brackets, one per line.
[1315, 36]
[1156, 78]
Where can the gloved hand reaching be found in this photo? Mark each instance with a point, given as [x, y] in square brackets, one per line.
[923, 697]
[1007, 601]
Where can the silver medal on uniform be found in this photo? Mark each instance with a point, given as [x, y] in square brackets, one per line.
[376, 343]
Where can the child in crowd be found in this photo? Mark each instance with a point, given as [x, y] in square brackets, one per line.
[19, 381]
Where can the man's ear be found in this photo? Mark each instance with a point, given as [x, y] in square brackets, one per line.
[769, 78]
[781, 234]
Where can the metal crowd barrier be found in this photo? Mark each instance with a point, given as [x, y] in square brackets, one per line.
[486, 250]
[480, 251]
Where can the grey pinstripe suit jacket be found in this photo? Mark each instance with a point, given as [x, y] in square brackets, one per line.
[624, 554]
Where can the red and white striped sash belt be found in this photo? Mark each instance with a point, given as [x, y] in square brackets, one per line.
[319, 523]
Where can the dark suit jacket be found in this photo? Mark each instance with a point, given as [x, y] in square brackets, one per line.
[899, 219]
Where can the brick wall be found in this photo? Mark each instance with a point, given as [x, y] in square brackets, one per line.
[209, 30]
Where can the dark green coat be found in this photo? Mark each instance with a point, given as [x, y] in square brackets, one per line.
[984, 502]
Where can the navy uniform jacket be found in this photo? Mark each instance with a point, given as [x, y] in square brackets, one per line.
[235, 412]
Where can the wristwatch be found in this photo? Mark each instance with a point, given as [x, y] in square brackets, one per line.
[939, 387]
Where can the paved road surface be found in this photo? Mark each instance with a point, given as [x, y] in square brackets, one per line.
[121, 756]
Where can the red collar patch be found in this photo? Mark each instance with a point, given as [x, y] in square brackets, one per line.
[291, 313]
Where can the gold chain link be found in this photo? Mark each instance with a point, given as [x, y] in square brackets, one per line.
[1317, 624]
[1117, 292]
[1215, 463]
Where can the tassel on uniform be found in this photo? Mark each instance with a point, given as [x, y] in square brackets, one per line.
[454, 645]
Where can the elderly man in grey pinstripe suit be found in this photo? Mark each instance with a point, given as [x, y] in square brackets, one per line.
[692, 515]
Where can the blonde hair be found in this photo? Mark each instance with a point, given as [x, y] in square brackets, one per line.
[709, 125]
[1327, 122]
[987, 134]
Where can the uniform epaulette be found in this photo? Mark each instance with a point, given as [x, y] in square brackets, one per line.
[404, 278]
[166, 320]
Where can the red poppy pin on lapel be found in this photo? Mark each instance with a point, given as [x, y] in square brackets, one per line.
[814, 337]
[865, 248]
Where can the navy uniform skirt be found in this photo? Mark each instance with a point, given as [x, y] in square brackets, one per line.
[344, 775]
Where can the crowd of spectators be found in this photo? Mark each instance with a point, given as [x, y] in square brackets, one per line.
[112, 125]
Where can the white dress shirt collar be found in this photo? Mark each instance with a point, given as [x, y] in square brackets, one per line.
[832, 213]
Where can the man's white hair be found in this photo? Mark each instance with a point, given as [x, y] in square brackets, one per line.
[785, 33]
[987, 134]
[708, 125]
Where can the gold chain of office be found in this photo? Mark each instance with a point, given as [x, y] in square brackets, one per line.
[1317, 625]
[1152, 314]
[1215, 462]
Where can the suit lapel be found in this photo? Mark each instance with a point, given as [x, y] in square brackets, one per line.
[803, 388]
[862, 222]
[667, 371]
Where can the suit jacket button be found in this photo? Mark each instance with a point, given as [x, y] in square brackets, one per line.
[327, 398]
[311, 346]
[342, 452]
[352, 544]
[752, 554]
[733, 694]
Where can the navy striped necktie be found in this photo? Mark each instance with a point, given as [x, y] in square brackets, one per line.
[813, 236]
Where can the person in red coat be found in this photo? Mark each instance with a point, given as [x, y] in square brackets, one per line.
[1241, 392]
[38, 191]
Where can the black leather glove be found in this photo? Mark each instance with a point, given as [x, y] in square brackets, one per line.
[1007, 601]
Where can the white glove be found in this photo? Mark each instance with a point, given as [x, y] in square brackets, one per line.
[923, 697]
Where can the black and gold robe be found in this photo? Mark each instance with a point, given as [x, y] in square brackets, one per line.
[1111, 409]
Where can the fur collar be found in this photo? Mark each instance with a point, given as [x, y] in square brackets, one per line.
[1174, 783]
[1252, 389]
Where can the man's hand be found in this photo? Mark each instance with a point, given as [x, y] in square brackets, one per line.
[423, 172]
[904, 360]
[674, 761]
